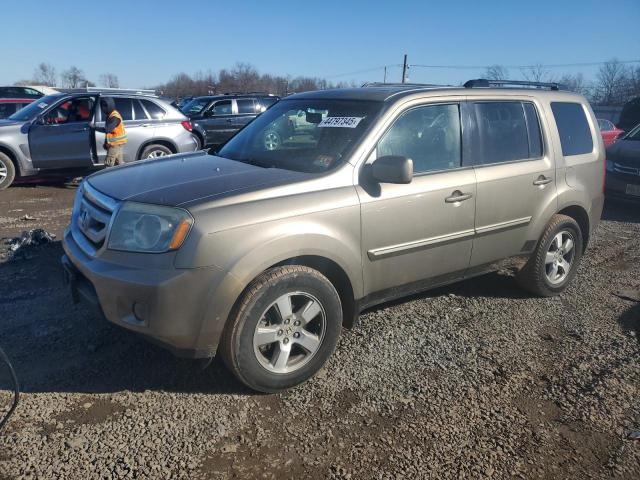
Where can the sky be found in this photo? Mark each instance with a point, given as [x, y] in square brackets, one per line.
[146, 42]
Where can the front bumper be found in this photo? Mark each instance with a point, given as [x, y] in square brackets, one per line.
[169, 306]
[616, 185]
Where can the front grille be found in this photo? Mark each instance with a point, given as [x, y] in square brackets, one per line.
[91, 219]
[626, 169]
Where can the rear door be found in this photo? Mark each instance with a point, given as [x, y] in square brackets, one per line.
[247, 111]
[61, 137]
[515, 171]
[218, 122]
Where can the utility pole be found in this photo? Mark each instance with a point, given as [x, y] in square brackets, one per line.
[385, 75]
[404, 69]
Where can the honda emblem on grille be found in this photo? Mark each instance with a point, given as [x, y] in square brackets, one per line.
[84, 220]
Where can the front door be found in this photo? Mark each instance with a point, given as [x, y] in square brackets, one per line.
[516, 179]
[218, 122]
[61, 137]
[419, 234]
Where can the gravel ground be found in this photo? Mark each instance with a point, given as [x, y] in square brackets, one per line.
[469, 381]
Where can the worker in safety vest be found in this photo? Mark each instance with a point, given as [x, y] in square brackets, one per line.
[116, 136]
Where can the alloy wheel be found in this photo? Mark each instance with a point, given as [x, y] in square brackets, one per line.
[271, 141]
[4, 171]
[157, 154]
[559, 257]
[290, 332]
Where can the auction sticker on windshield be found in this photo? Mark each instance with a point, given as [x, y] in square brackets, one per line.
[341, 122]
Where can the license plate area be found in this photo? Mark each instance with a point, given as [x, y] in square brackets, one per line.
[633, 189]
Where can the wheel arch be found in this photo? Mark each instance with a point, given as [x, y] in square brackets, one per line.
[12, 156]
[337, 276]
[165, 142]
[580, 215]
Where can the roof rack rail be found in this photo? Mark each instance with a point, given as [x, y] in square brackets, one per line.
[249, 93]
[383, 84]
[484, 83]
[138, 91]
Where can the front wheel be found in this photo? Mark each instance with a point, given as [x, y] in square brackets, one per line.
[272, 140]
[286, 326]
[7, 171]
[155, 151]
[555, 260]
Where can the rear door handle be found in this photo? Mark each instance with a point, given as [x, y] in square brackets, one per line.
[458, 196]
[229, 120]
[542, 180]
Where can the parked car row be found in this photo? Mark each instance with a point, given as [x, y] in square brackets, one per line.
[52, 135]
[216, 118]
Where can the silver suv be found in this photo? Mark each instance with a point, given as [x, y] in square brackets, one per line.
[53, 136]
[265, 254]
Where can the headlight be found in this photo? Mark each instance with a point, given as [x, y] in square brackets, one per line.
[609, 166]
[140, 227]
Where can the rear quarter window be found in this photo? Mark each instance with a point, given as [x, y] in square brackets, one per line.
[573, 128]
[154, 110]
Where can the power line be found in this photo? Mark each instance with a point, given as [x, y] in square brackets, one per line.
[479, 67]
[552, 65]
[374, 69]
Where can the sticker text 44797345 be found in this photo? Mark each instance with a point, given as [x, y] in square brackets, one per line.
[340, 122]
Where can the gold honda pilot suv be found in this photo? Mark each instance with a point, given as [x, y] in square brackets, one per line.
[263, 251]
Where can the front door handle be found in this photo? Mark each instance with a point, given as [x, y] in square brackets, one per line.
[229, 120]
[542, 180]
[458, 196]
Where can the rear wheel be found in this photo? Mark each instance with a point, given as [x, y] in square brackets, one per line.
[7, 171]
[284, 330]
[155, 151]
[555, 259]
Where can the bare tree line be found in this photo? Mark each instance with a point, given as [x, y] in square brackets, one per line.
[614, 85]
[615, 82]
[243, 77]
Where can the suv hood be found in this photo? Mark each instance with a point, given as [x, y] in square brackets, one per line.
[181, 179]
[625, 152]
[10, 123]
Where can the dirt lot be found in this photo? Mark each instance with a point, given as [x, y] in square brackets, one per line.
[474, 380]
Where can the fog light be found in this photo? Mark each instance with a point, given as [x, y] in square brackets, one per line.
[140, 312]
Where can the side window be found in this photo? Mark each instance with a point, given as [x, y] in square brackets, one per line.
[246, 105]
[7, 109]
[264, 103]
[533, 129]
[503, 132]
[125, 107]
[156, 112]
[221, 108]
[429, 135]
[138, 111]
[70, 111]
[575, 134]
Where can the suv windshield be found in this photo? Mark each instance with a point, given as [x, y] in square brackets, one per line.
[633, 134]
[314, 135]
[34, 109]
[195, 106]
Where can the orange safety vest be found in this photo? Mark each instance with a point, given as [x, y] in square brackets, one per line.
[119, 134]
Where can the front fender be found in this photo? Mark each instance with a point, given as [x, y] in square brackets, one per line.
[244, 253]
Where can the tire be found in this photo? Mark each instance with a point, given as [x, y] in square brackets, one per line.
[259, 359]
[155, 151]
[7, 171]
[200, 141]
[272, 140]
[537, 276]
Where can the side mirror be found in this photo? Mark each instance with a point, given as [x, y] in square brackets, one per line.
[393, 169]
